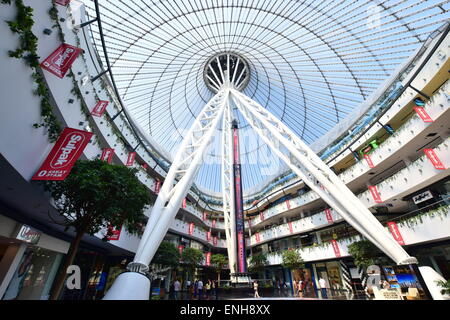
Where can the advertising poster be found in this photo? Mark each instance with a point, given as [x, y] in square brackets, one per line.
[393, 228]
[130, 160]
[107, 155]
[423, 114]
[99, 108]
[328, 215]
[432, 156]
[375, 194]
[407, 280]
[61, 60]
[115, 233]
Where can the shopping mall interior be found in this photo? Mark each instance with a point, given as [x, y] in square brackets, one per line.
[222, 150]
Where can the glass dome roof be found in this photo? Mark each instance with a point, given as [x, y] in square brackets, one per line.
[311, 63]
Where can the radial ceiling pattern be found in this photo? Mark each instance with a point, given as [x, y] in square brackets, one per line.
[311, 62]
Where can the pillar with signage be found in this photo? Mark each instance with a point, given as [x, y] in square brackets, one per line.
[241, 275]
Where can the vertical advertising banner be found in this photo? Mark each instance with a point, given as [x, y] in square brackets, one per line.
[99, 108]
[261, 216]
[204, 216]
[288, 204]
[328, 215]
[215, 241]
[130, 160]
[157, 186]
[107, 155]
[180, 249]
[291, 230]
[369, 161]
[214, 223]
[61, 60]
[63, 155]
[208, 236]
[115, 233]
[257, 238]
[184, 203]
[423, 114]
[336, 250]
[432, 156]
[191, 228]
[375, 194]
[393, 228]
[208, 258]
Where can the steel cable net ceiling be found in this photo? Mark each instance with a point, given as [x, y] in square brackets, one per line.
[311, 63]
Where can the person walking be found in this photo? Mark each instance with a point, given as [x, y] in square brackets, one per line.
[176, 289]
[208, 288]
[195, 288]
[200, 289]
[323, 287]
[300, 288]
[255, 288]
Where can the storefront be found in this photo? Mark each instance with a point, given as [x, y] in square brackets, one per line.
[331, 273]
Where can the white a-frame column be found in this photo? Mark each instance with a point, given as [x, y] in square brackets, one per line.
[135, 285]
[315, 173]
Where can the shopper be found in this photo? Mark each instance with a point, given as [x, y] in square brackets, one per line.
[195, 288]
[200, 289]
[300, 288]
[323, 288]
[255, 288]
[295, 289]
[176, 288]
[208, 288]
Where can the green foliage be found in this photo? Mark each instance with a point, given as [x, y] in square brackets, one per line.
[365, 254]
[167, 255]
[218, 261]
[97, 194]
[445, 285]
[292, 259]
[27, 51]
[192, 257]
[257, 262]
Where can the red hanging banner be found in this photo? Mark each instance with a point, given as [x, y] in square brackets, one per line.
[99, 108]
[191, 228]
[261, 216]
[204, 216]
[208, 258]
[157, 186]
[62, 2]
[257, 238]
[288, 204]
[291, 230]
[145, 166]
[336, 250]
[214, 223]
[208, 236]
[184, 203]
[115, 233]
[61, 60]
[130, 160]
[393, 228]
[432, 156]
[328, 215]
[375, 194]
[107, 155]
[369, 161]
[65, 152]
[180, 249]
[215, 241]
[423, 114]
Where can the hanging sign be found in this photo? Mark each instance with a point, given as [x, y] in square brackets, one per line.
[214, 223]
[393, 228]
[291, 230]
[369, 161]
[336, 250]
[208, 258]
[328, 215]
[130, 160]
[28, 234]
[62, 2]
[257, 238]
[208, 236]
[204, 216]
[107, 155]
[215, 241]
[261, 216]
[180, 249]
[421, 197]
[375, 194]
[99, 108]
[115, 233]
[191, 228]
[432, 156]
[157, 186]
[288, 204]
[61, 60]
[184, 203]
[423, 114]
[65, 152]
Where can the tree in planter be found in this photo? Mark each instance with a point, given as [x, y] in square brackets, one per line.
[257, 263]
[192, 258]
[166, 257]
[218, 261]
[94, 196]
[365, 254]
[292, 260]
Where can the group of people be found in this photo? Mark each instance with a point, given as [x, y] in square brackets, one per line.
[300, 287]
[197, 290]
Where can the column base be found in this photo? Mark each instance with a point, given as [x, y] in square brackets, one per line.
[129, 286]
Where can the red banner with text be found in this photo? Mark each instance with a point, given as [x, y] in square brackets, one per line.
[328, 215]
[261, 216]
[99, 108]
[423, 114]
[180, 249]
[291, 230]
[157, 186]
[288, 204]
[107, 155]
[208, 236]
[336, 250]
[191, 228]
[61, 60]
[393, 228]
[257, 238]
[62, 2]
[376, 196]
[215, 241]
[63, 155]
[130, 160]
[115, 233]
[214, 223]
[432, 156]
[208, 258]
[369, 161]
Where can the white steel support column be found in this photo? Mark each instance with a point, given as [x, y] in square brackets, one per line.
[318, 176]
[176, 185]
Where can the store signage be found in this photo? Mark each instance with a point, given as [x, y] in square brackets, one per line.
[191, 228]
[393, 228]
[107, 155]
[215, 241]
[376, 196]
[336, 250]
[208, 258]
[65, 152]
[241, 251]
[157, 186]
[421, 197]
[28, 234]
[115, 233]
[288, 204]
[63, 2]
[61, 60]
[291, 230]
[432, 156]
[130, 160]
[208, 236]
[261, 216]
[423, 114]
[328, 215]
[369, 161]
[257, 238]
[214, 223]
[99, 108]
